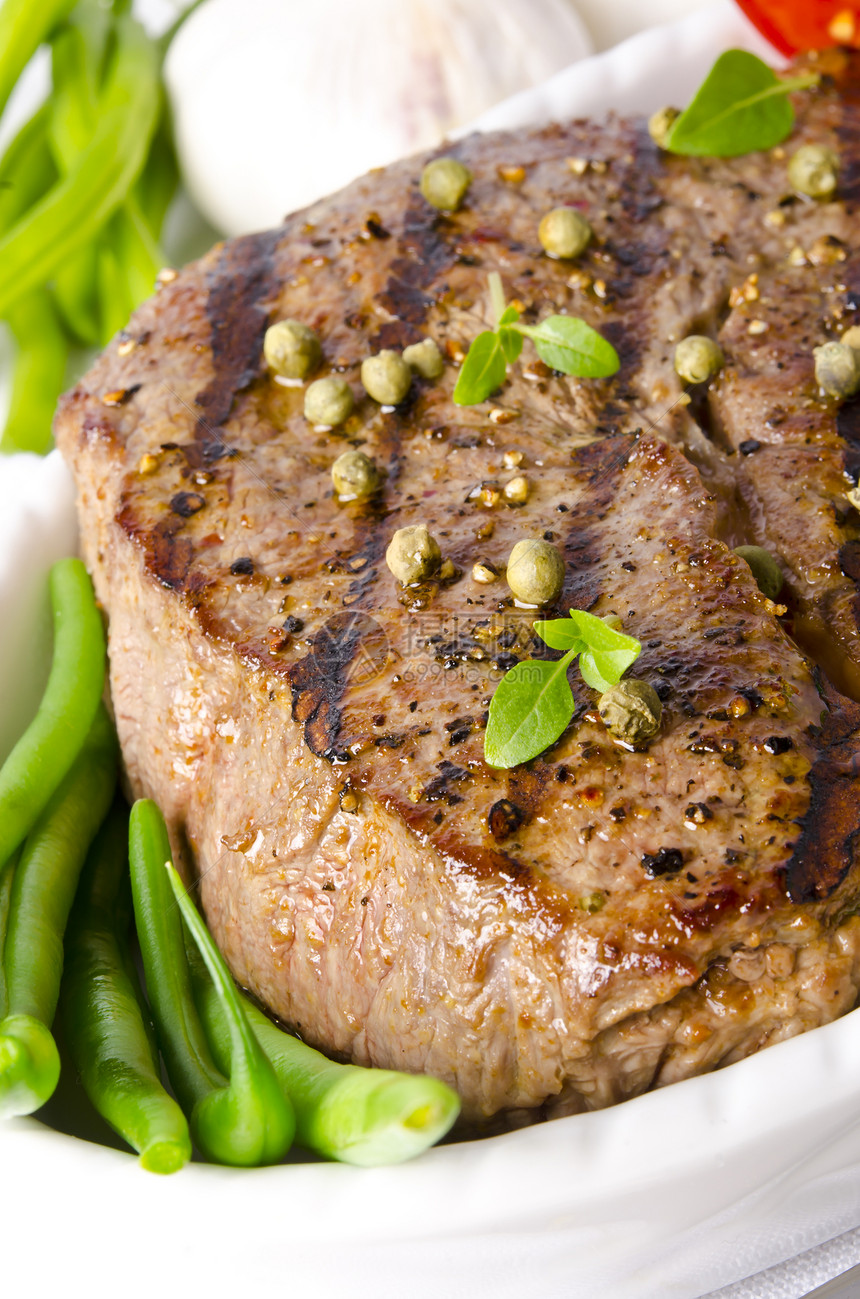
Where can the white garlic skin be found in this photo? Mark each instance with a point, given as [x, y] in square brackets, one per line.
[279, 102]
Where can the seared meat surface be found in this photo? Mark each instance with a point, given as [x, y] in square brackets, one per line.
[600, 920]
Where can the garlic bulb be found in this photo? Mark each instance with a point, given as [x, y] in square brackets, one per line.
[278, 102]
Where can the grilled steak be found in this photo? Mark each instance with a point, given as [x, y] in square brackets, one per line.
[600, 920]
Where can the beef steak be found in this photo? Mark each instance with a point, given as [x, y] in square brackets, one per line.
[600, 920]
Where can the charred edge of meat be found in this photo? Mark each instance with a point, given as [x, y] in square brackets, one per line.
[242, 279]
[168, 555]
[350, 647]
[830, 829]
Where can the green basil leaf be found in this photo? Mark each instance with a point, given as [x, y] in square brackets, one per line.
[532, 705]
[601, 669]
[568, 344]
[482, 372]
[509, 316]
[600, 635]
[511, 341]
[561, 634]
[741, 106]
[608, 653]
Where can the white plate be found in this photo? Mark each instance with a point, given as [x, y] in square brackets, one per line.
[670, 1195]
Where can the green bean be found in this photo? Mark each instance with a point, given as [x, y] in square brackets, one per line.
[114, 306]
[48, 747]
[167, 36]
[138, 252]
[5, 897]
[78, 58]
[254, 1097]
[101, 1010]
[110, 277]
[77, 64]
[71, 213]
[180, 1034]
[76, 297]
[245, 1120]
[43, 887]
[155, 187]
[27, 168]
[355, 1115]
[127, 263]
[78, 53]
[39, 372]
[41, 346]
[23, 27]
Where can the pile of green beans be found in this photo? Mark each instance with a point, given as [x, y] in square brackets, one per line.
[84, 190]
[55, 789]
[73, 867]
[105, 1020]
[241, 1119]
[45, 753]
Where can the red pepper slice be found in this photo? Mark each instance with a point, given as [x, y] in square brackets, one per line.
[793, 25]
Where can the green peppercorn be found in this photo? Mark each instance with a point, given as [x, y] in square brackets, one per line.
[660, 123]
[563, 232]
[837, 369]
[444, 182]
[814, 170]
[765, 569]
[386, 377]
[291, 349]
[631, 710]
[329, 401]
[697, 358]
[413, 554]
[535, 571]
[354, 474]
[425, 359]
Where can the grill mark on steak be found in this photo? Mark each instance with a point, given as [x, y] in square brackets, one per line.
[168, 555]
[602, 463]
[347, 643]
[237, 286]
[830, 834]
[370, 536]
[428, 255]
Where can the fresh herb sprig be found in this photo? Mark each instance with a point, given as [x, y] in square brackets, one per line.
[741, 106]
[533, 703]
[564, 342]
